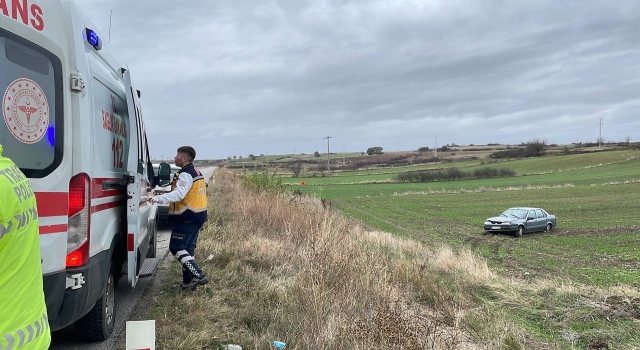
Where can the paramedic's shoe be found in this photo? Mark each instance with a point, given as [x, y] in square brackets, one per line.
[195, 282]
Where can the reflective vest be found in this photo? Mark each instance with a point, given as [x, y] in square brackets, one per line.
[23, 313]
[193, 207]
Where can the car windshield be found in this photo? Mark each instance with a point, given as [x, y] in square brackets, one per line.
[517, 213]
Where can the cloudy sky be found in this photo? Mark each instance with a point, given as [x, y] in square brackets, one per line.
[240, 77]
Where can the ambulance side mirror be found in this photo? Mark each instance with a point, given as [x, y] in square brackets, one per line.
[164, 174]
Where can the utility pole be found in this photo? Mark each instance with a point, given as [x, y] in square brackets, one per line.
[328, 163]
[343, 157]
[600, 138]
[436, 147]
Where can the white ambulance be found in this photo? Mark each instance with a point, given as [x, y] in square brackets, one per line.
[73, 124]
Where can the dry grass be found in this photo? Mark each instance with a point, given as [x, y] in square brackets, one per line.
[481, 190]
[287, 269]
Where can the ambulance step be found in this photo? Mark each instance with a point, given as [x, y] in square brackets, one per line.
[149, 267]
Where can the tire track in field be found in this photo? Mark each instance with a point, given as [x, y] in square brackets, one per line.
[469, 239]
[411, 233]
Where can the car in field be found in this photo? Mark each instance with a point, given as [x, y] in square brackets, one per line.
[521, 221]
[163, 209]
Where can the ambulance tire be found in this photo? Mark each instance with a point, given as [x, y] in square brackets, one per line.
[151, 253]
[98, 324]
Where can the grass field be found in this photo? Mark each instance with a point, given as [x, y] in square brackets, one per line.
[417, 271]
[596, 244]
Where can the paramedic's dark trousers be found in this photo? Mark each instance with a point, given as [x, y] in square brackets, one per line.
[184, 237]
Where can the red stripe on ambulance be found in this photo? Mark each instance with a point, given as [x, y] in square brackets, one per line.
[45, 230]
[52, 203]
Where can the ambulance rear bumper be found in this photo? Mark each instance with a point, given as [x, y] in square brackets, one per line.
[65, 305]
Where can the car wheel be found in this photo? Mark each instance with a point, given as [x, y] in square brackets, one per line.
[549, 227]
[520, 231]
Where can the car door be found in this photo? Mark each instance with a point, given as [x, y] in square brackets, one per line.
[542, 220]
[531, 221]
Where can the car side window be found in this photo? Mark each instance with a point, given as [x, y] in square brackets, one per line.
[540, 214]
[532, 214]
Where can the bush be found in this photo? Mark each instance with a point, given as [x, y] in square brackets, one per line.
[533, 148]
[263, 182]
[453, 174]
[374, 150]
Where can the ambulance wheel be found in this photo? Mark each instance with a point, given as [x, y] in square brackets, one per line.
[98, 324]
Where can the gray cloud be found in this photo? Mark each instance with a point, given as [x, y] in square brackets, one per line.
[240, 77]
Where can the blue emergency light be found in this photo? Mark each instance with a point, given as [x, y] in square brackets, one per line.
[93, 39]
[51, 135]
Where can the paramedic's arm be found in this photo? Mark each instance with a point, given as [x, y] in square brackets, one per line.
[182, 187]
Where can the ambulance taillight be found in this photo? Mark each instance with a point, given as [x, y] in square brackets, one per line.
[78, 228]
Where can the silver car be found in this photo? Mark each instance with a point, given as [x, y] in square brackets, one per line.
[521, 220]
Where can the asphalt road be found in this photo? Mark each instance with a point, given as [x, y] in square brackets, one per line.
[127, 299]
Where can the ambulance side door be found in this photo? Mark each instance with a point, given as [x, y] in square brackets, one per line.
[140, 212]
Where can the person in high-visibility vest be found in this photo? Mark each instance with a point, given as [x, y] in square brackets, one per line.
[23, 312]
[188, 213]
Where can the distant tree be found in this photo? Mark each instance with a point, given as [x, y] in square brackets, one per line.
[535, 147]
[362, 153]
[295, 167]
[627, 140]
[444, 148]
[261, 154]
[252, 157]
[423, 149]
[374, 150]
[317, 154]
[234, 157]
[229, 158]
[240, 157]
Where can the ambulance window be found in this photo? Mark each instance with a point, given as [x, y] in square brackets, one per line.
[31, 131]
[26, 58]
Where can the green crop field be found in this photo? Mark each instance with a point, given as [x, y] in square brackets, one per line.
[595, 196]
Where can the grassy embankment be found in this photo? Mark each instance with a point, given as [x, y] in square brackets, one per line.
[287, 269]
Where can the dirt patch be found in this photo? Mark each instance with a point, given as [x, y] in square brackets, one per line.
[624, 306]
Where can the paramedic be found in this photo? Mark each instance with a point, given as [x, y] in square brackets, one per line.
[24, 323]
[187, 212]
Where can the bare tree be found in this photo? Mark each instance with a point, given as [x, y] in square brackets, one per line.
[536, 147]
[295, 167]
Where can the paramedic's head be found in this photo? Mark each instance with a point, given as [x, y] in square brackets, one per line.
[185, 155]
